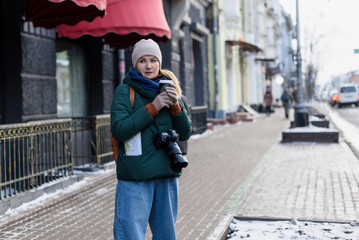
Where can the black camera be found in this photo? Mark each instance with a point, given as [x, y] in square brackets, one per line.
[168, 141]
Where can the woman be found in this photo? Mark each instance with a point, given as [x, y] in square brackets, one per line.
[268, 100]
[147, 189]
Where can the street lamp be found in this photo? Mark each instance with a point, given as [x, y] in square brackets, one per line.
[300, 114]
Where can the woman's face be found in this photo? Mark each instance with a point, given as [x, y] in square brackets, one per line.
[149, 66]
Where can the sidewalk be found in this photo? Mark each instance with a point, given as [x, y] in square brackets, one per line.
[307, 181]
[304, 180]
[239, 169]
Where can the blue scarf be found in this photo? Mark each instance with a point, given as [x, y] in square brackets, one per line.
[143, 82]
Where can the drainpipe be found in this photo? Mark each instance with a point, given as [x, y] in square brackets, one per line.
[121, 65]
[215, 29]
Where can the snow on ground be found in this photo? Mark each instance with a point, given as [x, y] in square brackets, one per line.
[350, 132]
[309, 129]
[271, 230]
[314, 118]
[44, 198]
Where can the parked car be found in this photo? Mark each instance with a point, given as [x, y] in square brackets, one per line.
[347, 95]
[332, 97]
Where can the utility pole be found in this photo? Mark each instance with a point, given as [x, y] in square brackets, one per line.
[300, 114]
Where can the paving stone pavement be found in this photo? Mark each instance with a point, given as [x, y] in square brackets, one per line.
[237, 169]
[85, 213]
[311, 181]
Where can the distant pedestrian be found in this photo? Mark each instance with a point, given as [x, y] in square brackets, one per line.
[287, 100]
[268, 101]
[149, 162]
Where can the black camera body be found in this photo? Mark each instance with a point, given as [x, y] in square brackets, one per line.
[168, 140]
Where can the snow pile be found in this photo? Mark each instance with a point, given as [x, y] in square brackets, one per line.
[315, 118]
[197, 136]
[269, 230]
[310, 129]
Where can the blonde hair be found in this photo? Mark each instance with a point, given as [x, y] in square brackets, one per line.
[171, 75]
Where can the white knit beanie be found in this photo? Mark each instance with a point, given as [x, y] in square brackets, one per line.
[146, 48]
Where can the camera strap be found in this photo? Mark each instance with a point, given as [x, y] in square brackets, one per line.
[144, 99]
[145, 102]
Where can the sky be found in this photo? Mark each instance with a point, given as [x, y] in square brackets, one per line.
[332, 26]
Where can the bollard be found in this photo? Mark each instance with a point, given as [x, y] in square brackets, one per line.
[301, 119]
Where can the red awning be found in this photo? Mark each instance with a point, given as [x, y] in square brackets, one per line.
[51, 13]
[125, 23]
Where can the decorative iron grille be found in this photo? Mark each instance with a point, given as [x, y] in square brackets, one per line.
[92, 140]
[103, 139]
[34, 153]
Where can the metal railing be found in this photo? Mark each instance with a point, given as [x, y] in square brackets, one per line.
[38, 152]
[92, 140]
[32, 154]
[103, 135]
[83, 146]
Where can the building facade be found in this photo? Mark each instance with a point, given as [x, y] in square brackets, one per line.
[249, 46]
[56, 92]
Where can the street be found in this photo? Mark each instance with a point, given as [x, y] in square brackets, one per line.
[349, 113]
[240, 169]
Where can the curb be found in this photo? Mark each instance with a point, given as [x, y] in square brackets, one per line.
[352, 147]
[328, 112]
[30, 195]
[221, 231]
[272, 219]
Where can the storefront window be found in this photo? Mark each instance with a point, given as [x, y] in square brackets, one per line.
[71, 81]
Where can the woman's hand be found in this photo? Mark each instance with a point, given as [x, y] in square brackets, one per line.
[172, 93]
[162, 100]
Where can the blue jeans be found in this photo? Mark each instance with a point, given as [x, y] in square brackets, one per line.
[139, 203]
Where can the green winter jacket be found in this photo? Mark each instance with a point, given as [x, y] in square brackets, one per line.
[127, 121]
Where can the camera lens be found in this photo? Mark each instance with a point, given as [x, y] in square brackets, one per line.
[168, 141]
[175, 155]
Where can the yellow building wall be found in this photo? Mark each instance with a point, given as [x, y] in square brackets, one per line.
[211, 73]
